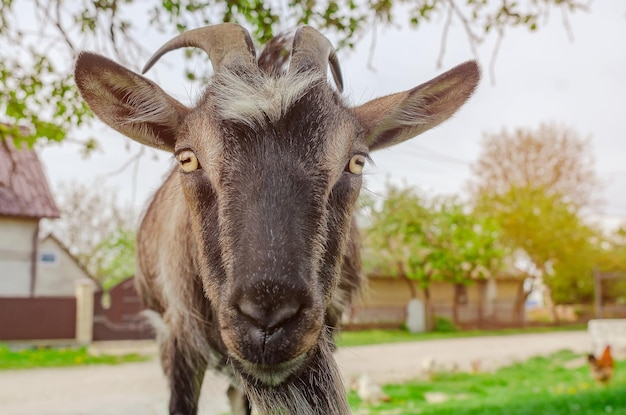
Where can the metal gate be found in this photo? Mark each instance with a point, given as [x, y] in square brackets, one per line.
[122, 319]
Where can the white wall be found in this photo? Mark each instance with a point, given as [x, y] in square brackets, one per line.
[56, 277]
[16, 249]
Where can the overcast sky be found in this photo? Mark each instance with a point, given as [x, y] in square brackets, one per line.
[540, 77]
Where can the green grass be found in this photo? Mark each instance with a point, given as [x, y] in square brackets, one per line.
[540, 386]
[367, 337]
[57, 357]
[61, 357]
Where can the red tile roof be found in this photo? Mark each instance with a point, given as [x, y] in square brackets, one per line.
[24, 188]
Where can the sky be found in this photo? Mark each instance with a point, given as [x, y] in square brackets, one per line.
[539, 77]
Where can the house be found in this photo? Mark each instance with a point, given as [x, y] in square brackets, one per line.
[38, 278]
[25, 199]
[45, 294]
[57, 270]
[29, 266]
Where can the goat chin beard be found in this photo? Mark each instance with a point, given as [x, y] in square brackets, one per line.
[315, 389]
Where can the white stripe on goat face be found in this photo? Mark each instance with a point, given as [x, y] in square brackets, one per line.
[258, 98]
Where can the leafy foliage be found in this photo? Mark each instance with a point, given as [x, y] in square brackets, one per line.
[41, 38]
[535, 185]
[425, 240]
[610, 257]
[398, 239]
[117, 257]
[552, 234]
[445, 325]
[613, 251]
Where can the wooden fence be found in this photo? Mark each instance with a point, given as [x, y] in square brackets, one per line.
[82, 318]
[37, 318]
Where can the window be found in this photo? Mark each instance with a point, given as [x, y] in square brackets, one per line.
[49, 258]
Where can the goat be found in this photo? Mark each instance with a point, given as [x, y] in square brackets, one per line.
[249, 251]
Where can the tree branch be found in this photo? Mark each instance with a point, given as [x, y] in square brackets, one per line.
[130, 161]
[444, 38]
[494, 55]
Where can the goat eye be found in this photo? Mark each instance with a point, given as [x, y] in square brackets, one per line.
[188, 161]
[356, 164]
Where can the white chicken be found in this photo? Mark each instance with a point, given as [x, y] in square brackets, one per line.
[429, 366]
[369, 392]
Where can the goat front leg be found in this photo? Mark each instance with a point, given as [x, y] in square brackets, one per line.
[185, 372]
[239, 403]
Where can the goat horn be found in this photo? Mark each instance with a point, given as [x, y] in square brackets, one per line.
[311, 48]
[226, 44]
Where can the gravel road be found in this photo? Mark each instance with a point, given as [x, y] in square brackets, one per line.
[140, 388]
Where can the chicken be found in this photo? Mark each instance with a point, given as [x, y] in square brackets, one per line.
[602, 367]
[429, 367]
[370, 392]
[476, 366]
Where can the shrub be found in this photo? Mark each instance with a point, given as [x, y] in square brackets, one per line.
[445, 325]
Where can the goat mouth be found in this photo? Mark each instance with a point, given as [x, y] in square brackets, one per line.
[271, 375]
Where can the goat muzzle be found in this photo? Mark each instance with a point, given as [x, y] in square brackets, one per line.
[271, 330]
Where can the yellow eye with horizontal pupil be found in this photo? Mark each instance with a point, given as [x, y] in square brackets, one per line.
[188, 161]
[356, 164]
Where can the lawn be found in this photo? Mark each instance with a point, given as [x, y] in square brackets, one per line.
[540, 386]
[73, 356]
[367, 337]
[57, 357]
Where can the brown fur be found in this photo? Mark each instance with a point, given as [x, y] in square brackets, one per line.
[249, 261]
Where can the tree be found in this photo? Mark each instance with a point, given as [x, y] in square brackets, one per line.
[116, 257]
[97, 231]
[555, 159]
[611, 258]
[551, 234]
[36, 85]
[535, 184]
[417, 239]
[398, 239]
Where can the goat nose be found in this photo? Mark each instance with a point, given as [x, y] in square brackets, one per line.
[269, 317]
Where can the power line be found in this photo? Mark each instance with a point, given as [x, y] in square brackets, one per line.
[432, 155]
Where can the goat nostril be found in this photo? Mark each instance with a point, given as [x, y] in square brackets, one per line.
[250, 309]
[283, 314]
[268, 317]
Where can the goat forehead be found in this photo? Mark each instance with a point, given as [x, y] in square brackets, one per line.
[258, 98]
[313, 127]
[299, 141]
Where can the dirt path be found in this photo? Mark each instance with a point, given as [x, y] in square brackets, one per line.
[140, 389]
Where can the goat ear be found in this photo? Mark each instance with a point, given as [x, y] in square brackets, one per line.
[128, 102]
[395, 118]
